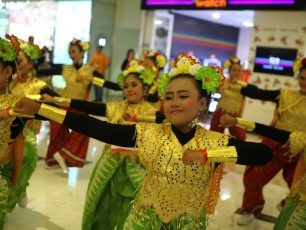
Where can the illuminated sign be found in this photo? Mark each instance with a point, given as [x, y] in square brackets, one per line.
[225, 4]
[210, 3]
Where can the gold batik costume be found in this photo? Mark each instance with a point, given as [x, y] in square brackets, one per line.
[291, 111]
[178, 195]
[114, 172]
[231, 101]
[8, 149]
[77, 89]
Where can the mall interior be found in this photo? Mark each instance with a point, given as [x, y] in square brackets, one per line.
[89, 154]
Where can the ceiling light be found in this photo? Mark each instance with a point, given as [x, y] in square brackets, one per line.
[248, 24]
[225, 196]
[216, 15]
[158, 22]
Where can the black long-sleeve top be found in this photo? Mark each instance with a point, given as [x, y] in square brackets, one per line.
[49, 91]
[99, 109]
[19, 123]
[278, 135]
[249, 153]
[58, 69]
[256, 93]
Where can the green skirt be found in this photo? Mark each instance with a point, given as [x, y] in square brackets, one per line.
[292, 216]
[5, 187]
[28, 166]
[114, 183]
[146, 219]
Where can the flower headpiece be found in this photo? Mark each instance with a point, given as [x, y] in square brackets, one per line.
[159, 59]
[146, 74]
[211, 78]
[85, 45]
[31, 50]
[9, 50]
[228, 63]
[298, 64]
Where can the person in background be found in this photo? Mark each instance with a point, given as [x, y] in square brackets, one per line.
[290, 116]
[129, 56]
[231, 102]
[100, 61]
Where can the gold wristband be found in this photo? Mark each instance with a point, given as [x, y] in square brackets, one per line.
[36, 97]
[297, 143]
[14, 114]
[242, 83]
[62, 101]
[224, 154]
[52, 113]
[98, 81]
[245, 124]
[146, 119]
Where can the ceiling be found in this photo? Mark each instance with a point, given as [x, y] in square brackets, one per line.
[232, 18]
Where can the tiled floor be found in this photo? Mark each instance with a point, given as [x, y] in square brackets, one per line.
[56, 199]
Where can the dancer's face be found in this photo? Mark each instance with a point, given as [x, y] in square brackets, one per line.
[183, 102]
[134, 90]
[302, 81]
[75, 54]
[235, 72]
[24, 64]
[5, 74]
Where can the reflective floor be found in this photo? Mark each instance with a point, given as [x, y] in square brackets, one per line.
[56, 199]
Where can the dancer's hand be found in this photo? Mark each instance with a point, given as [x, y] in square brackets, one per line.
[4, 114]
[47, 98]
[129, 116]
[192, 156]
[26, 106]
[227, 121]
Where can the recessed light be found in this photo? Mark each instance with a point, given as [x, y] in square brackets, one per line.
[248, 24]
[216, 15]
[158, 22]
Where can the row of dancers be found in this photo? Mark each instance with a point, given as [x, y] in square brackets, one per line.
[168, 173]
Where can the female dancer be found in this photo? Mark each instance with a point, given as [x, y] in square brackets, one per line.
[159, 61]
[11, 138]
[116, 177]
[293, 214]
[291, 106]
[72, 146]
[183, 161]
[27, 84]
[231, 102]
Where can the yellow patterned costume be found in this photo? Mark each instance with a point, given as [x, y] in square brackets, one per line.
[116, 179]
[77, 81]
[10, 147]
[291, 111]
[175, 193]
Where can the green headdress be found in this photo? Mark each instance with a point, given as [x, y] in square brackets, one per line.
[9, 50]
[211, 78]
[146, 74]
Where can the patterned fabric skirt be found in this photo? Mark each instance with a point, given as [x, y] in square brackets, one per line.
[292, 216]
[146, 219]
[5, 187]
[28, 166]
[113, 186]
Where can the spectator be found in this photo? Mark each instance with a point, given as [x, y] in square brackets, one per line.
[100, 61]
[129, 56]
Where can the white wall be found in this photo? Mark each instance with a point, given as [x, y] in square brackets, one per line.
[244, 41]
[273, 29]
[119, 21]
[126, 32]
